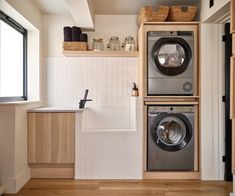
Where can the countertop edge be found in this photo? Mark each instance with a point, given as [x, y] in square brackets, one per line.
[20, 102]
[55, 110]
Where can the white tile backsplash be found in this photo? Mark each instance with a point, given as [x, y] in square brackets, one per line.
[109, 80]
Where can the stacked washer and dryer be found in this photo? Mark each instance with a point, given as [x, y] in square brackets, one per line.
[170, 93]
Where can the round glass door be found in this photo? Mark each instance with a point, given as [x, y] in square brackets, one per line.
[171, 132]
[171, 56]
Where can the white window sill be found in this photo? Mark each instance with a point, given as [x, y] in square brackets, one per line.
[20, 102]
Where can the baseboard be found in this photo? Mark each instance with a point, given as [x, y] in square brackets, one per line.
[52, 170]
[209, 174]
[22, 178]
[2, 189]
[13, 185]
[172, 175]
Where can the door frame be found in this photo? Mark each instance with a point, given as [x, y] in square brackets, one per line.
[212, 166]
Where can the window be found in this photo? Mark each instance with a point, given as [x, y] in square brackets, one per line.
[13, 60]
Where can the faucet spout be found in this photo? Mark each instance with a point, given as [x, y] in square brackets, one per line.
[84, 100]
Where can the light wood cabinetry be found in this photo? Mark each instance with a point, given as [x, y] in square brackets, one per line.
[169, 100]
[51, 144]
[101, 54]
[51, 137]
[142, 37]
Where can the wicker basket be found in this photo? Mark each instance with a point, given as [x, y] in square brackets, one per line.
[75, 46]
[153, 14]
[182, 13]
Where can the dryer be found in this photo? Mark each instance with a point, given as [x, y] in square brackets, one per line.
[170, 139]
[170, 63]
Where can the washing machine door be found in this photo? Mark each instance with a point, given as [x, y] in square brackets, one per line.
[171, 132]
[171, 56]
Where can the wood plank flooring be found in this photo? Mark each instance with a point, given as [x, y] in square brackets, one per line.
[68, 187]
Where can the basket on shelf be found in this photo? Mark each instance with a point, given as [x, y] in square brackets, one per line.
[182, 13]
[75, 46]
[153, 14]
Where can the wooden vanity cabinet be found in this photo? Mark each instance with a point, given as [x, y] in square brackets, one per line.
[51, 137]
[51, 144]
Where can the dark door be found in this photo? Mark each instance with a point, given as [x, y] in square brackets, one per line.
[171, 132]
[171, 55]
[227, 38]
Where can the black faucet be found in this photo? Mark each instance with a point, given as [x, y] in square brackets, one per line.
[84, 100]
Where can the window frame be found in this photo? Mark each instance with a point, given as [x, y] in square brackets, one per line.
[11, 22]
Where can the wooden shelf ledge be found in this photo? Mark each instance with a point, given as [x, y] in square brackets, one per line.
[168, 99]
[100, 54]
[171, 23]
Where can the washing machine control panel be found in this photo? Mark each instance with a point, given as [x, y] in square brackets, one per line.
[171, 109]
[160, 34]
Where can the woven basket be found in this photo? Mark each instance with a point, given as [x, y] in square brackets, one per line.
[153, 14]
[75, 46]
[182, 13]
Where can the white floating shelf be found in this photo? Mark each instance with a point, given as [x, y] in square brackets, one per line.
[100, 54]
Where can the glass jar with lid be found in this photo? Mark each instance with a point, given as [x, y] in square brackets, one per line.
[115, 44]
[129, 44]
[98, 44]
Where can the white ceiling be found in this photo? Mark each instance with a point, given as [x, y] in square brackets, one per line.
[52, 6]
[109, 7]
[132, 7]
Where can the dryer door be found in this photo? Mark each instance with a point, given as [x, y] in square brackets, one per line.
[171, 56]
[171, 132]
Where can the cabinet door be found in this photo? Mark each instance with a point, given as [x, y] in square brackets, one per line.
[51, 137]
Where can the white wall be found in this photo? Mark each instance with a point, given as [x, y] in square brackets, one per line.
[13, 124]
[220, 8]
[109, 79]
[14, 170]
[30, 12]
[106, 26]
[212, 107]
[7, 145]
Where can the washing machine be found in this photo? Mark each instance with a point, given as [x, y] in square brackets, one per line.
[170, 139]
[170, 63]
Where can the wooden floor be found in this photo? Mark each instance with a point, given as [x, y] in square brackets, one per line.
[54, 187]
